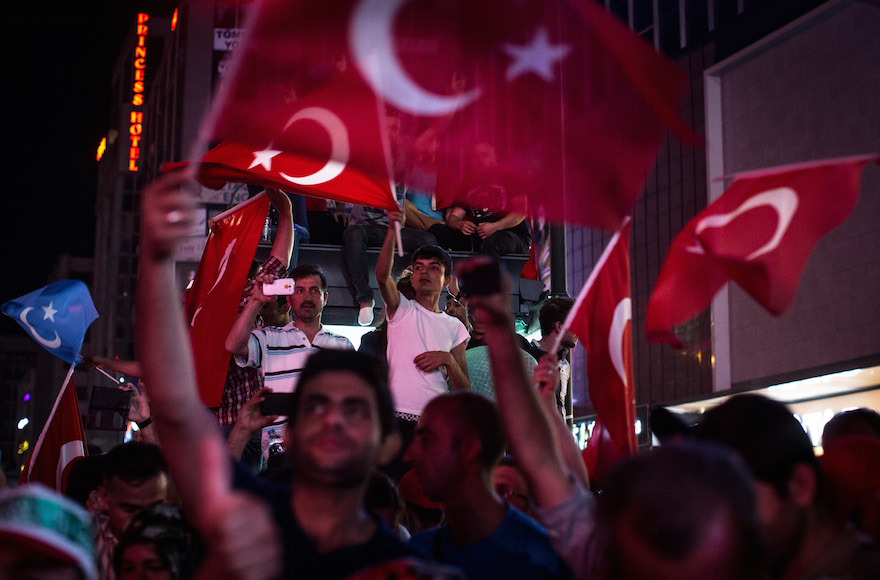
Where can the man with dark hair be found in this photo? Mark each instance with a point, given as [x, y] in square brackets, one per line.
[338, 430]
[133, 477]
[678, 511]
[458, 443]
[801, 540]
[551, 317]
[281, 352]
[426, 347]
[863, 422]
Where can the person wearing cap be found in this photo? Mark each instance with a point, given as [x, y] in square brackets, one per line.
[44, 535]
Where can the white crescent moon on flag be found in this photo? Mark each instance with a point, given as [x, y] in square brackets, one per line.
[622, 315]
[69, 451]
[53, 344]
[370, 41]
[782, 200]
[339, 148]
[223, 263]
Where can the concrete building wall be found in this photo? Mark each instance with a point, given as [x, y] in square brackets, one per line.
[808, 92]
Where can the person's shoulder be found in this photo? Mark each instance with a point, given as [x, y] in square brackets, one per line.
[288, 333]
[518, 521]
[423, 540]
[329, 339]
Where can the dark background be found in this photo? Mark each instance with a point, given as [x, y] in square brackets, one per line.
[60, 65]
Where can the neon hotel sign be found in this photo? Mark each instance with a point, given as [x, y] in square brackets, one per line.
[136, 119]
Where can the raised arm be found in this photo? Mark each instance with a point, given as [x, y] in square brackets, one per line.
[384, 262]
[283, 244]
[547, 379]
[529, 431]
[237, 339]
[185, 427]
[131, 368]
[191, 442]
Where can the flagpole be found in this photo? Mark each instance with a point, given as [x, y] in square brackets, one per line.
[42, 436]
[232, 210]
[397, 226]
[106, 374]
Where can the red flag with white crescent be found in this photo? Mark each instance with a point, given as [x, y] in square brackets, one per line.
[61, 442]
[212, 300]
[327, 144]
[572, 104]
[601, 318]
[759, 234]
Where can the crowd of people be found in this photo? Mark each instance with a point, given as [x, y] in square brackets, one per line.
[400, 462]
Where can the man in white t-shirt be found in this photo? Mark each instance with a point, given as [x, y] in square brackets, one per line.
[425, 345]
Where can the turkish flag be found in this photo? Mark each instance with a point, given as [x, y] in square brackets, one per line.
[327, 144]
[62, 441]
[565, 97]
[600, 455]
[213, 299]
[601, 317]
[759, 234]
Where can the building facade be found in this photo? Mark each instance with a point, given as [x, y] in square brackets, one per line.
[771, 82]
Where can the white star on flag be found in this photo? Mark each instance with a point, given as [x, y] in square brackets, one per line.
[539, 57]
[264, 158]
[49, 312]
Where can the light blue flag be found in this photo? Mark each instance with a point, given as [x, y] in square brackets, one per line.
[57, 316]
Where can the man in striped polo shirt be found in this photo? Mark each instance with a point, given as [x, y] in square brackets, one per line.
[281, 353]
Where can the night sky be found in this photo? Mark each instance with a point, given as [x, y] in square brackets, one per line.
[58, 99]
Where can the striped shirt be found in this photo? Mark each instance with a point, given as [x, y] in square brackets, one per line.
[281, 353]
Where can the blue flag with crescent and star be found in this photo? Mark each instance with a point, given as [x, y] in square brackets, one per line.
[56, 316]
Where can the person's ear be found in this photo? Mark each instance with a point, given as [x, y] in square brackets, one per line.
[391, 446]
[469, 449]
[803, 485]
[96, 503]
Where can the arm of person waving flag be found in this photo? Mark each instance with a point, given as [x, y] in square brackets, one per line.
[193, 446]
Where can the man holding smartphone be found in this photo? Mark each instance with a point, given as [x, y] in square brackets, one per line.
[281, 353]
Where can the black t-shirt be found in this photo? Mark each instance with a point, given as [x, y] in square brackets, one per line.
[489, 196]
[301, 558]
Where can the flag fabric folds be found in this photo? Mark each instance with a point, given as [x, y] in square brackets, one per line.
[212, 301]
[571, 102]
[759, 234]
[327, 144]
[600, 454]
[601, 318]
[57, 316]
[61, 442]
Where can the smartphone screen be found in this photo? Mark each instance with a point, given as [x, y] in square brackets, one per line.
[276, 403]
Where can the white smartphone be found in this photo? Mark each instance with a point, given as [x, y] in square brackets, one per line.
[279, 286]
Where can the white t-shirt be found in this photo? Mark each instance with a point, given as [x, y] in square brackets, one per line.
[412, 331]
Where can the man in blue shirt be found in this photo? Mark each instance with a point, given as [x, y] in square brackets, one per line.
[459, 441]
